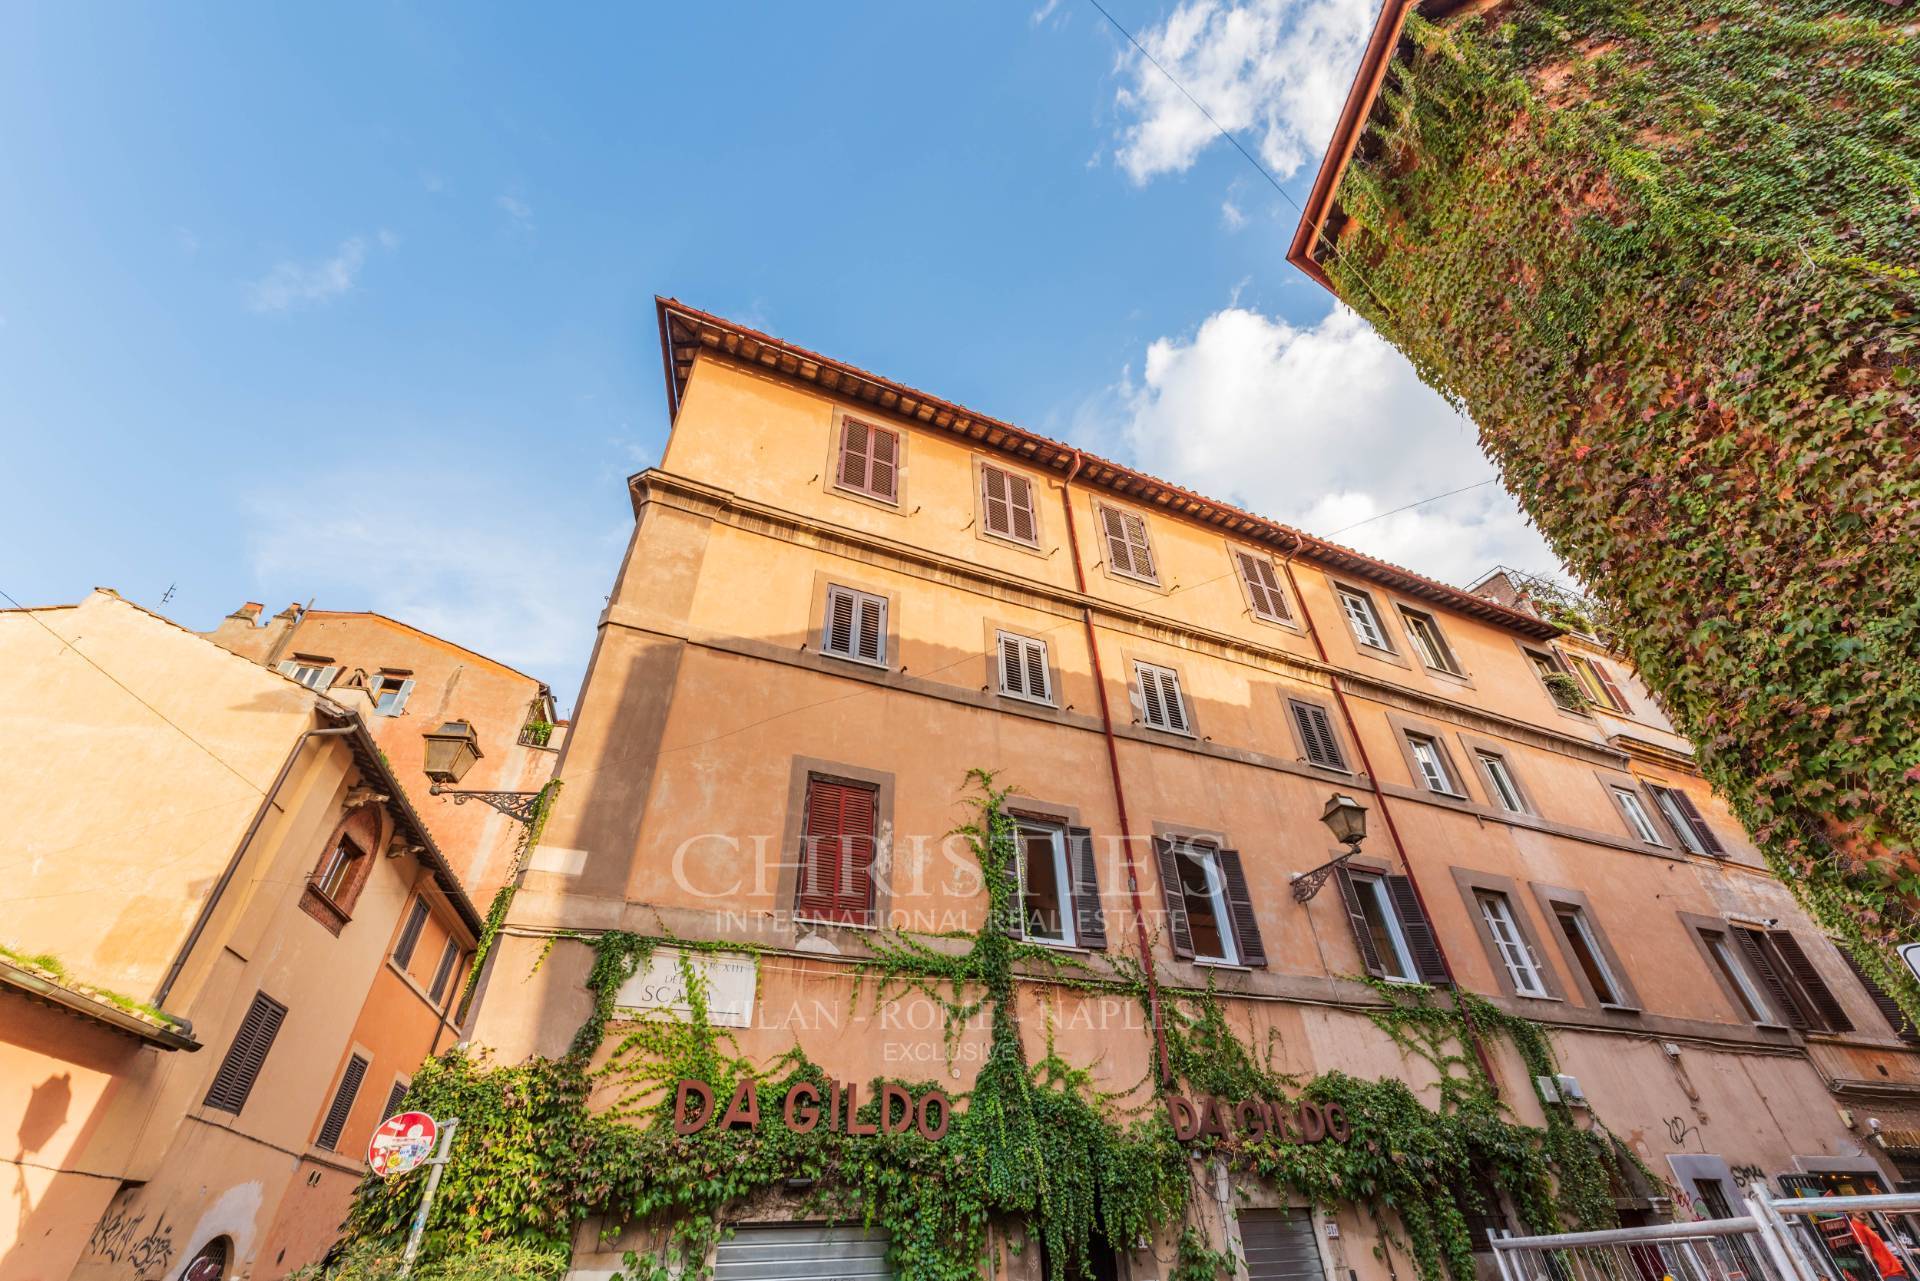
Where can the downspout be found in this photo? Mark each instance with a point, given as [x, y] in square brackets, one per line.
[1119, 790]
[233, 863]
[1380, 799]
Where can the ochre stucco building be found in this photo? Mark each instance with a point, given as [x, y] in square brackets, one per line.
[230, 938]
[843, 593]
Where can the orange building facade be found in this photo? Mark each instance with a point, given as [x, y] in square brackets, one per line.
[842, 594]
[229, 938]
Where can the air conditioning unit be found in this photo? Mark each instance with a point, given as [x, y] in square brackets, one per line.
[1570, 1090]
[1549, 1090]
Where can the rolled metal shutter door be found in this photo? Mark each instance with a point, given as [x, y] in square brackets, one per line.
[802, 1252]
[1280, 1245]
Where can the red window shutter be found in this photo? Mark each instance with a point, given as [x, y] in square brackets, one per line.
[1089, 917]
[1246, 926]
[1417, 930]
[1362, 934]
[837, 849]
[1699, 824]
[1818, 994]
[1178, 935]
[1614, 695]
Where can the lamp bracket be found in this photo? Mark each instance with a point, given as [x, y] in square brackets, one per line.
[1308, 884]
[518, 806]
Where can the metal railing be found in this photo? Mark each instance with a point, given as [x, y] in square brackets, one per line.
[1784, 1239]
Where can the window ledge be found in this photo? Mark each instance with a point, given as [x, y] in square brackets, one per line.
[838, 925]
[1030, 700]
[330, 915]
[1161, 729]
[855, 658]
[1210, 963]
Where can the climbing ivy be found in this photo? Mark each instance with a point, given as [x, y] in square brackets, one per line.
[1667, 255]
[546, 1144]
[503, 897]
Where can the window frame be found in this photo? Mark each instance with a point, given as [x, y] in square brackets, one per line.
[860, 598]
[1533, 656]
[1676, 820]
[1640, 821]
[1287, 617]
[402, 690]
[1056, 832]
[1448, 663]
[412, 925]
[836, 444]
[1743, 990]
[1048, 697]
[1521, 962]
[1138, 693]
[1472, 885]
[445, 971]
[324, 671]
[1370, 886]
[1207, 855]
[983, 464]
[1333, 733]
[1496, 771]
[792, 887]
[1346, 592]
[1551, 899]
[1100, 509]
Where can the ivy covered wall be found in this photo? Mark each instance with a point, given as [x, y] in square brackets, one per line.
[1666, 253]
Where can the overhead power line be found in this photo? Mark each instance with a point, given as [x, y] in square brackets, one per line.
[1478, 484]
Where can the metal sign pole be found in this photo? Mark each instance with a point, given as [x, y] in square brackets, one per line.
[439, 1163]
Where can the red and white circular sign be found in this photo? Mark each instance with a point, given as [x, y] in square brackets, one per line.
[401, 1143]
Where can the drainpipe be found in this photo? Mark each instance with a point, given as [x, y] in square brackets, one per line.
[1119, 791]
[233, 864]
[1380, 798]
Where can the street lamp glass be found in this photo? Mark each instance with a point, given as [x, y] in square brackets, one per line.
[1346, 818]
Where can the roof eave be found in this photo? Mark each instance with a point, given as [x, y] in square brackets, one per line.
[37, 987]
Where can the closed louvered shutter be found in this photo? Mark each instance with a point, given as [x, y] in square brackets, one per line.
[1023, 668]
[1417, 930]
[1607, 685]
[1127, 550]
[1178, 933]
[395, 1098]
[336, 1122]
[1246, 927]
[1263, 589]
[410, 934]
[869, 460]
[1825, 1004]
[1760, 960]
[836, 860]
[1280, 1245]
[1362, 932]
[1316, 736]
[1161, 704]
[1698, 823]
[1006, 502]
[1889, 1008]
[1089, 915]
[801, 1252]
[247, 1055]
[855, 626]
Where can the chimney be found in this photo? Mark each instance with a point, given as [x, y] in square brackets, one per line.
[249, 611]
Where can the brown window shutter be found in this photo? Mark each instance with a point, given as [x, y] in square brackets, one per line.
[1889, 1008]
[1013, 670]
[395, 1098]
[1136, 532]
[410, 935]
[1119, 551]
[1089, 916]
[1177, 932]
[1150, 695]
[1362, 936]
[1417, 930]
[1037, 669]
[1818, 994]
[1176, 707]
[883, 472]
[1698, 824]
[247, 1055]
[336, 1123]
[1316, 736]
[854, 451]
[836, 861]
[841, 609]
[871, 640]
[996, 514]
[1026, 527]
[1263, 589]
[1760, 959]
[1614, 696]
[1246, 926]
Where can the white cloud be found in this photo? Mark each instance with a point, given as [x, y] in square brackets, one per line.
[517, 209]
[1324, 427]
[306, 284]
[1275, 71]
[1044, 12]
[1232, 215]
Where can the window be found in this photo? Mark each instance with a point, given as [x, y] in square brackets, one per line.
[337, 870]
[1686, 821]
[1023, 668]
[443, 973]
[211, 1263]
[1523, 967]
[1561, 688]
[1006, 506]
[1787, 974]
[1889, 1008]
[1128, 552]
[336, 1122]
[1635, 812]
[410, 934]
[1315, 728]
[1390, 928]
[247, 1055]
[855, 626]
[1046, 886]
[1598, 683]
[869, 461]
[1263, 587]
[1161, 704]
[1501, 783]
[396, 1097]
[1209, 910]
[1584, 946]
[1430, 762]
[837, 850]
[315, 673]
[1423, 629]
[1363, 618]
[1738, 981]
[389, 691]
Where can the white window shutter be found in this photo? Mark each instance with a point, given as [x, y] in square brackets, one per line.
[400, 699]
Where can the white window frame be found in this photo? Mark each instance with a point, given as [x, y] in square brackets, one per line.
[1363, 619]
[1720, 944]
[1433, 651]
[1142, 672]
[1373, 886]
[1677, 820]
[1208, 857]
[1637, 817]
[315, 676]
[1063, 873]
[1432, 765]
[1589, 939]
[1045, 696]
[1523, 967]
[859, 599]
[1505, 789]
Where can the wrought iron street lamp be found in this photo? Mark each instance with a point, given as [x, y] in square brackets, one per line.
[451, 751]
[1346, 818]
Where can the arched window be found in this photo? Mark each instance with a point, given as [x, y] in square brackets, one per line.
[211, 1263]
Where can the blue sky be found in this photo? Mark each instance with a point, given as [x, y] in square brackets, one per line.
[354, 303]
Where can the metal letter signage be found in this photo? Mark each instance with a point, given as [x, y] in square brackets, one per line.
[801, 1110]
[401, 1143]
[1255, 1119]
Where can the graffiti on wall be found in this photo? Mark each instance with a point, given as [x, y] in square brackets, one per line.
[1748, 1176]
[1678, 1130]
[127, 1239]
